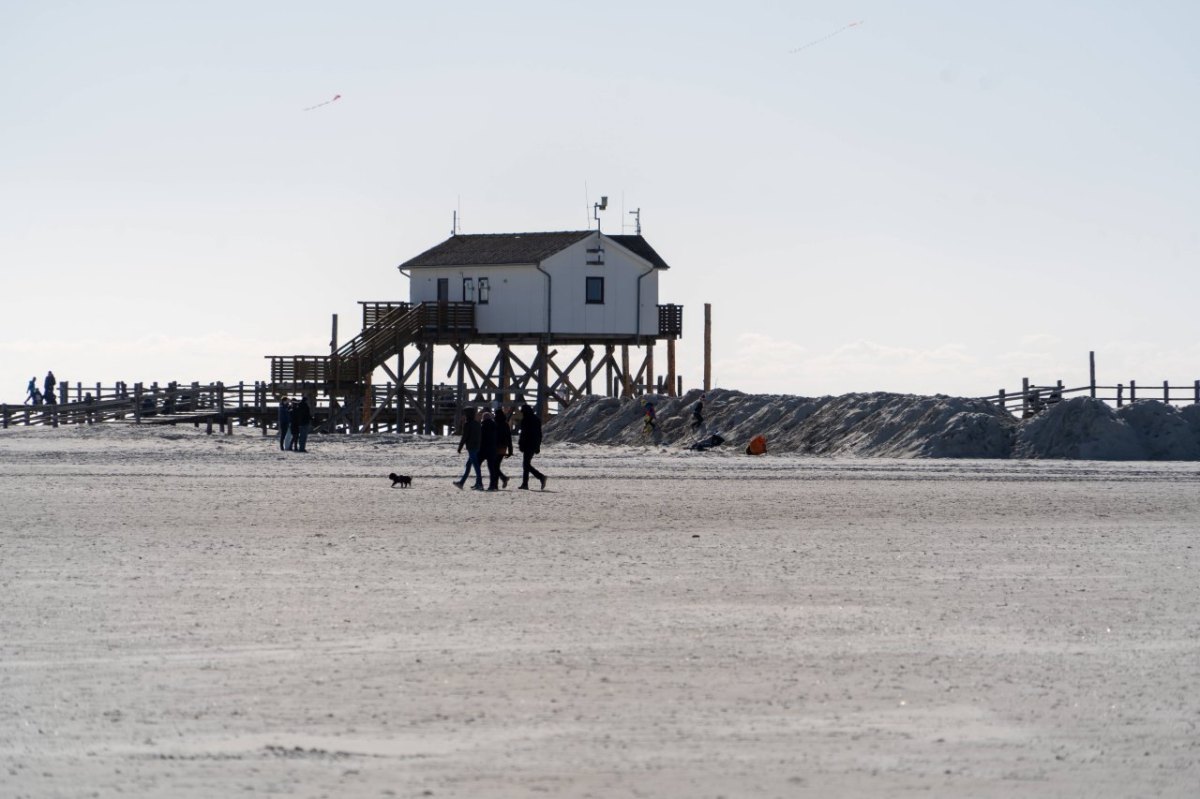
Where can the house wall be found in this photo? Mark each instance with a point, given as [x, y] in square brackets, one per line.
[517, 298]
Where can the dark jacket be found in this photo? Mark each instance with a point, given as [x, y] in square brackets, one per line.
[302, 414]
[489, 439]
[285, 416]
[470, 436]
[530, 437]
[505, 441]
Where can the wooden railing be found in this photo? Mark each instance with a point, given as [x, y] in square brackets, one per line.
[372, 312]
[1031, 398]
[391, 327]
[670, 320]
[170, 402]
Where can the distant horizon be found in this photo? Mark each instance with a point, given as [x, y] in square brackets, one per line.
[941, 199]
[1181, 391]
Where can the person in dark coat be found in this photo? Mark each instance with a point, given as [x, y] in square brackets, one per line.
[698, 414]
[489, 448]
[294, 428]
[285, 420]
[302, 415]
[48, 387]
[529, 441]
[504, 426]
[35, 397]
[472, 432]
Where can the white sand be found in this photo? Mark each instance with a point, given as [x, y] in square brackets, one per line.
[189, 616]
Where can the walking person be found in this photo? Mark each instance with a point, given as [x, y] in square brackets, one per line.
[489, 448]
[35, 396]
[471, 439]
[285, 422]
[51, 412]
[504, 426]
[529, 441]
[302, 414]
[649, 421]
[294, 429]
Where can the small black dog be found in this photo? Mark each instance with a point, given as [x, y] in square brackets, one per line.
[402, 480]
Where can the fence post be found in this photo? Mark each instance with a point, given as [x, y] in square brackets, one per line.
[1024, 397]
[1166, 392]
[1092, 372]
[1120, 391]
[1003, 400]
[137, 403]
[1132, 391]
[1197, 389]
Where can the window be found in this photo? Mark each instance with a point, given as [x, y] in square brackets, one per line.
[443, 289]
[595, 291]
[483, 291]
[468, 290]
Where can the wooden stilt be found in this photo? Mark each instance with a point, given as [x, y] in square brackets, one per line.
[626, 385]
[707, 346]
[671, 368]
[587, 369]
[650, 385]
[543, 394]
[608, 370]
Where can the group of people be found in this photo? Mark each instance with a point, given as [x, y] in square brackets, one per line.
[489, 439]
[295, 421]
[46, 395]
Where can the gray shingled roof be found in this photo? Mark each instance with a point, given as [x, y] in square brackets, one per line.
[497, 249]
[639, 246]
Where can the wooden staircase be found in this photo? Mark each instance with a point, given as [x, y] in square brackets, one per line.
[387, 329]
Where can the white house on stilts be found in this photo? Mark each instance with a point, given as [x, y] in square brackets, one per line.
[565, 300]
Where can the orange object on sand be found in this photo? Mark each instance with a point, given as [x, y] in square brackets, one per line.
[758, 445]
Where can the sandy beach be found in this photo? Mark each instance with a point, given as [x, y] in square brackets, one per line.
[196, 616]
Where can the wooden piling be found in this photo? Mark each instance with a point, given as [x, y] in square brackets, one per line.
[707, 347]
[671, 368]
[650, 367]
[1092, 372]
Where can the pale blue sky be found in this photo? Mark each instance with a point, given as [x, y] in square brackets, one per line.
[945, 198]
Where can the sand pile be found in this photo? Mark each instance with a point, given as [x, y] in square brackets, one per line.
[894, 425]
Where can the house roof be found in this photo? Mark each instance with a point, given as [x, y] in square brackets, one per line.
[498, 249]
[639, 246]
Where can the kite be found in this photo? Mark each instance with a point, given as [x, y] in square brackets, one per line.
[336, 97]
[828, 36]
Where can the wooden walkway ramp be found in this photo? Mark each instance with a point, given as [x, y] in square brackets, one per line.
[387, 329]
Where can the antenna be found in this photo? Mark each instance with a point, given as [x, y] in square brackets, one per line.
[637, 218]
[454, 224]
[597, 208]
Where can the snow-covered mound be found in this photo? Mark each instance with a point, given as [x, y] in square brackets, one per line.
[893, 425]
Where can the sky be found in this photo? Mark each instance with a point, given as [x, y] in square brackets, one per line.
[944, 198]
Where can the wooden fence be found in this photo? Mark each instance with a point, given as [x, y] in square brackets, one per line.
[1031, 398]
[169, 403]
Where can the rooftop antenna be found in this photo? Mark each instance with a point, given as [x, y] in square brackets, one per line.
[637, 219]
[597, 208]
[454, 224]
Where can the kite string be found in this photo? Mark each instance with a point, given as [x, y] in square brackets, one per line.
[327, 102]
[828, 36]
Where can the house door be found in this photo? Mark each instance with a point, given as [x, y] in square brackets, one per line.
[443, 289]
